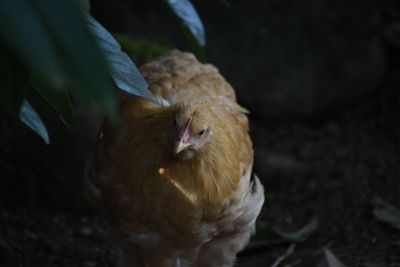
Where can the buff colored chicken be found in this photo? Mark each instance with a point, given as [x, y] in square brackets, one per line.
[174, 179]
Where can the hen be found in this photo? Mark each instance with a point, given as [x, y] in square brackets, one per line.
[174, 179]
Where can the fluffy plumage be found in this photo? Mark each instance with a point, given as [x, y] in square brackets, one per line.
[174, 180]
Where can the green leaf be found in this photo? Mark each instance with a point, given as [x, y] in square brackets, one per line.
[58, 100]
[386, 212]
[29, 116]
[188, 15]
[197, 49]
[124, 72]
[25, 31]
[81, 56]
[53, 41]
[192, 26]
[13, 80]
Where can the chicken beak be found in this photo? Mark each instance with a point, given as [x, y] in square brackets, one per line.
[183, 141]
[180, 146]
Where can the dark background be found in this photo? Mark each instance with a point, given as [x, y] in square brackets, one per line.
[321, 79]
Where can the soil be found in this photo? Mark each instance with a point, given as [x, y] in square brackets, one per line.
[329, 169]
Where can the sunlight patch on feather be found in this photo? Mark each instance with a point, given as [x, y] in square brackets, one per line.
[190, 196]
[161, 171]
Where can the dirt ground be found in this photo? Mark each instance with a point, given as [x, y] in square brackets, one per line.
[329, 169]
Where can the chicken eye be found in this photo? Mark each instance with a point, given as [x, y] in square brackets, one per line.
[202, 132]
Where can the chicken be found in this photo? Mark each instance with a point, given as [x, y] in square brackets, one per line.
[174, 179]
